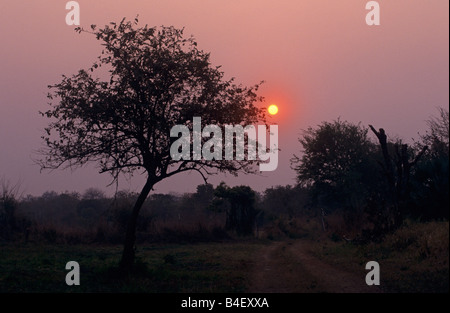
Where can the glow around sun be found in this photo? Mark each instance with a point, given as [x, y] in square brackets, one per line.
[273, 109]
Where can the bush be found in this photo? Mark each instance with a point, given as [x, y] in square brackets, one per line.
[421, 241]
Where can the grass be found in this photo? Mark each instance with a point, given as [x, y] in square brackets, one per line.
[207, 268]
[415, 258]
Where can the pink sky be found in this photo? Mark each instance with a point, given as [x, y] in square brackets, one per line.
[319, 59]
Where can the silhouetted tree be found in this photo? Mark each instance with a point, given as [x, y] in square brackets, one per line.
[204, 195]
[93, 194]
[241, 211]
[157, 79]
[53, 208]
[397, 170]
[92, 206]
[338, 165]
[430, 183]
[8, 208]
[164, 206]
[285, 200]
[437, 137]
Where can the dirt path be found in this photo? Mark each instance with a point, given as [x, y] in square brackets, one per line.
[289, 267]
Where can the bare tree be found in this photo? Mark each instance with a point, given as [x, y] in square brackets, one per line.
[437, 136]
[439, 125]
[9, 194]
[397, 170]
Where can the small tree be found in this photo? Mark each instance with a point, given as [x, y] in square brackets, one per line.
[285, 200]
[337, 164]
[93, 194]
[8, 208]
[92, 205]
[430, 179]
[397, 166]
[240, 207]
[157, 79]
[438, 129]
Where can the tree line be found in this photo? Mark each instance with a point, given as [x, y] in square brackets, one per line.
[373, 182]
[221, 213]
[380, 180]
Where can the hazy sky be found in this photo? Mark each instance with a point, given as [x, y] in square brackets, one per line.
[319, 58]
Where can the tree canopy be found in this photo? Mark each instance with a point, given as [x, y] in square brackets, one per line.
[157, 78]
[336, 163]
[241, 211]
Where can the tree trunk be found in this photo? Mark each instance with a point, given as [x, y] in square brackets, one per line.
[322, 215]
[128, 255]
[398, 180]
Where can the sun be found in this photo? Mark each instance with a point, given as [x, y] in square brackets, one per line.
[273, 109]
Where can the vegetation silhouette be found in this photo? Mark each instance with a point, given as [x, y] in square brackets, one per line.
[239, 203]
[306, 233]
[158, 78]
[380, 183]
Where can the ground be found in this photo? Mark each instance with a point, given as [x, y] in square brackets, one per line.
[286, 267]
[249, 266]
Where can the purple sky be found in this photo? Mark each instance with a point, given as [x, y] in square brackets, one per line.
[319, 59]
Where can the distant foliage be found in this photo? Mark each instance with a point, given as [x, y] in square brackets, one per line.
[375, 185]
[288, 201]
[430, 190]
[338, 163]
[8, 206]
[11, 223]
[239, 204]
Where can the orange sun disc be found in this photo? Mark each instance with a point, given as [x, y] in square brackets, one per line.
[273, 109]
